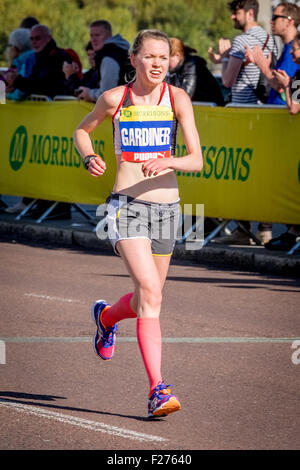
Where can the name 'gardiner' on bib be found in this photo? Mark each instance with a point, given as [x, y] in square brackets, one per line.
[146, 133]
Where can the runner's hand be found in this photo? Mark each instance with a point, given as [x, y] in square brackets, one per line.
[154, 167]
[96, 167]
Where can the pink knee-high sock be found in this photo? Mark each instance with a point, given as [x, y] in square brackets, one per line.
[149, 341]
[118, 311]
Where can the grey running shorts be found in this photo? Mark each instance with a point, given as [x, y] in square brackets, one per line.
[129, 218]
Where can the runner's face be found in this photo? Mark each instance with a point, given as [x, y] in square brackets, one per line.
[152, 61]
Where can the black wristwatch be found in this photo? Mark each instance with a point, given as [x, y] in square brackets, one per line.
[87, 159]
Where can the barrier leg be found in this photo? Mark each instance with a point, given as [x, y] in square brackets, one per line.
[216, 231]
[188, 232]
[27, 208]
[294, 248]
[84, 213]
[46, 213]
[250, 234]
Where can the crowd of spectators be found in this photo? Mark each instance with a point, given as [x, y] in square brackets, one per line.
[251, 68]
[250, 62]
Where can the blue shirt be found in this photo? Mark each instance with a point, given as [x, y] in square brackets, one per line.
[285, 62]
[24, 64]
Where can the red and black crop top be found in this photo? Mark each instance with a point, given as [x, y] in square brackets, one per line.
[145, 132]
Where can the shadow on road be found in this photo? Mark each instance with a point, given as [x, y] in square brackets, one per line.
[19, 397]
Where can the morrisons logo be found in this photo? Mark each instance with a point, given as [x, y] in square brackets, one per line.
[46, 150]
[18, 148]
[222, 163]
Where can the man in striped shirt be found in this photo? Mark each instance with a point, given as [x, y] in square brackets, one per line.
[237, 73]
[243, 77]
[285, 21]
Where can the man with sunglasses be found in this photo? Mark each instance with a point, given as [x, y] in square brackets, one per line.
[284, 23]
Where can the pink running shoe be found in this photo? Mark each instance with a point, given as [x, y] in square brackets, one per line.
[162, 402]
[105, 338]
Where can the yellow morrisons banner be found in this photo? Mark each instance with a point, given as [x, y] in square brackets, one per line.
[251, 159]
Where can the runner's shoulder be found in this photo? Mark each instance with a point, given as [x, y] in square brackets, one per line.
[113, 97]
[180, 97]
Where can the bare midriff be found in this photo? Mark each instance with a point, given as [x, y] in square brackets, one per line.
[130, 180]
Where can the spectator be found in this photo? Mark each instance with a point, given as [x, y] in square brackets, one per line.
[284, 23]
[112, 59]
[243, 78]
[73, 72]
[28, 22]
[22, 58]
[47, 77]
[190, 72]
[291, 86]
[90, 77]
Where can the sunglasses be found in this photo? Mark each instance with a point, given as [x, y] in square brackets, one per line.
[35, 38]
[274, 17]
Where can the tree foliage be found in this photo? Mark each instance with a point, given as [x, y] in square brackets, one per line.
[198, 23]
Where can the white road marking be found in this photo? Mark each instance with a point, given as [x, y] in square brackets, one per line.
[132, 339]
[83, 423]
[49, 297]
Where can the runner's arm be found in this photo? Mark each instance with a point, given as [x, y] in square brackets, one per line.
[105, 106]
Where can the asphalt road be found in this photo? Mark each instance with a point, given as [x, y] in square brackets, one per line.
[228, 341]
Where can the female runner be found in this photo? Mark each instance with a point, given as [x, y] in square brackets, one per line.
[143, 209]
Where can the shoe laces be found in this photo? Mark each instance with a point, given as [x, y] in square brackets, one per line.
[161, 389]
[108, 335]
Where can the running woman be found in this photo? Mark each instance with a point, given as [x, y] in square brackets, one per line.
[145, 116]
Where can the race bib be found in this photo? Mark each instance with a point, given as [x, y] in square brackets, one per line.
[146, 132]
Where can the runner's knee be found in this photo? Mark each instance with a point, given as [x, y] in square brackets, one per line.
[150, 294]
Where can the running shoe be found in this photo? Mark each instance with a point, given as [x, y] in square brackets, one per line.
[104, 339]
[162, 402]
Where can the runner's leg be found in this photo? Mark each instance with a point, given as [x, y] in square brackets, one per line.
[140, 263]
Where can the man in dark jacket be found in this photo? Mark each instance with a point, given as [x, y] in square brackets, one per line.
[47, 77]
[112, 59]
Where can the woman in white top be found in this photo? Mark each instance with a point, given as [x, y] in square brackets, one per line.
[145, 194]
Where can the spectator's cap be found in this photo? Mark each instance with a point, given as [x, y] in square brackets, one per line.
[28, 22]
[20, 39]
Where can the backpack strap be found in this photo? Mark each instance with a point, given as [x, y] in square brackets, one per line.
[263, 48]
